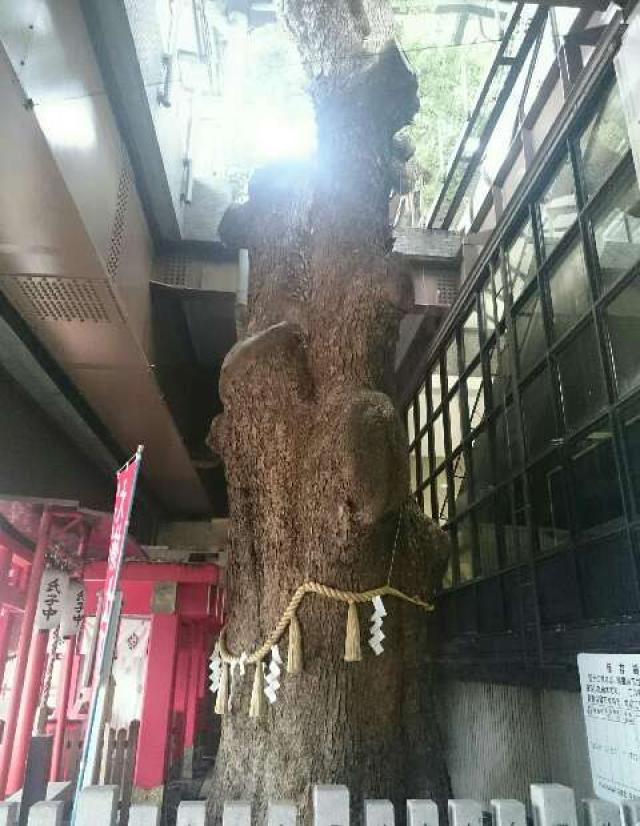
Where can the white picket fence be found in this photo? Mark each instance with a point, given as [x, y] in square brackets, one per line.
[551, 805]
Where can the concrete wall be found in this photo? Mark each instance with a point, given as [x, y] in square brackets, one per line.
[499, 739]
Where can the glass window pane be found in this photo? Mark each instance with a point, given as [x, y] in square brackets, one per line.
[427, 507]
[569, 290]
[487, 538]
[558, 208]
[411, 431]
[447, 616]
[488, 311]
[558, 590]
[581, 380]
[422, 407]
[442, 490]
[491, 613]
[603, 142]
[500, 369]
[466, 610]
[481, 462]
[447, 579]
[503, 460]
[616, 225]
[549, 513]
[454, 420]
[498, 281]
[522, 261]
[508, 452]
[630, 416]
[530, 337]
[413, 478]
[606, 578]
[460, 483]
[438, 440]
[471, 337]
[436, 387]
[538, 414]
[514, 439]
[510, 516]
[452, 364]
[423, 449]
[623, 324]
[475, 400]
[515, 592]
[597, 493]
[465, 549]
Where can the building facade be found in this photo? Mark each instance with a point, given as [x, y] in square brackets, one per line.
[524, 442]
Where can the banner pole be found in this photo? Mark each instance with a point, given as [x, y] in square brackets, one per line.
[127, 478]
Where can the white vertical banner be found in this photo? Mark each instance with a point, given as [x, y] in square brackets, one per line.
[51, 598]
[72, 610]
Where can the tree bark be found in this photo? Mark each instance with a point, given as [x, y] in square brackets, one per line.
[314, 449]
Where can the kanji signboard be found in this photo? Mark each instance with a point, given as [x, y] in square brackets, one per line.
[72, 610]
[51, 599]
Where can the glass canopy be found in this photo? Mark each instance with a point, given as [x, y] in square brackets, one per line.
[242, 83]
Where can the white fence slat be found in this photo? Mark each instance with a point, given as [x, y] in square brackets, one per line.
[465, 813]
[97, 806]
[631, 812]
[379, 813]
[599, 812]
[144, 814]
[46, 813]
[192, 813]
[236, 813]
[9, 813]
[508, 813]
[422, 813]
[282, 813]
[553, 803]
[330, 806]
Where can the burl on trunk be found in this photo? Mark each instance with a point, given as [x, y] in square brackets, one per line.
[314, 448]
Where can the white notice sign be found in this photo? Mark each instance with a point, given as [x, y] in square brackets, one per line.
[611, 699]
[53, 589]
[72, 610]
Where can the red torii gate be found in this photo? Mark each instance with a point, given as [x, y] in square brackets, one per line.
[19, 589]
[180, 641]
[178, 646]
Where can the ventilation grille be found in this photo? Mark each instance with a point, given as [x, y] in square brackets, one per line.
[447, 290]
[61, 299]
[172, 270]
[120, 218]
[180, 271]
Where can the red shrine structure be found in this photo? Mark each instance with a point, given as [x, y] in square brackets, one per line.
[170, 616]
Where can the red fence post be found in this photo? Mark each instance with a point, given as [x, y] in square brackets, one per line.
[6, 620]
[28, 708]
[61, 708]
[154, 737]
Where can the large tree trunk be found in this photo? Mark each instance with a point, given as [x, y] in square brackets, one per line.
[314, 449]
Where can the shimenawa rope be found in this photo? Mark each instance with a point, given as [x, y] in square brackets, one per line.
[323, 591]
[352, 652]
